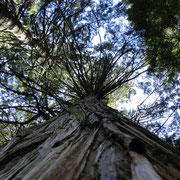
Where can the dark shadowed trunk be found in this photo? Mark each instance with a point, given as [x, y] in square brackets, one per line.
[88, 141]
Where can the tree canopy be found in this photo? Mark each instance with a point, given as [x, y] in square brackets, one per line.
[53, 53]
[157, 22]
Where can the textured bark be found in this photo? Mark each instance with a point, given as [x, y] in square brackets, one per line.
[88, 141]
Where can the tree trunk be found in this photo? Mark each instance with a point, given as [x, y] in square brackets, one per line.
[88, 141]
[13, 25]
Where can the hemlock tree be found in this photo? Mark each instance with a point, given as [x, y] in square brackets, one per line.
[56, 83]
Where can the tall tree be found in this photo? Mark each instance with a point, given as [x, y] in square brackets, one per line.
[56, 83]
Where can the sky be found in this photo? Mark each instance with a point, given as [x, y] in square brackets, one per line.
[139, 97]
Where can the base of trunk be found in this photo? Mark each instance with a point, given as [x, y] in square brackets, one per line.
[88, 141]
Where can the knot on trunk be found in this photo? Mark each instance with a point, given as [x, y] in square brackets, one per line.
[137, 146]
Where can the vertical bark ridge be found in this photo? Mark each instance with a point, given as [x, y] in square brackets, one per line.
[142, 168]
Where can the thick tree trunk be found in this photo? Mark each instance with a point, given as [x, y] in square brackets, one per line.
[88, 141]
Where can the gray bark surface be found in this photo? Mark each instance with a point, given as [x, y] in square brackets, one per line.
[88, 141]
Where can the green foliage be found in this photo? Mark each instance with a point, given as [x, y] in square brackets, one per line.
[34, 8]
[157, 22]
[17, 1]
[121, 95]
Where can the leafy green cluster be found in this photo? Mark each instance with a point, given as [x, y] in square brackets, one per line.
[157, 22]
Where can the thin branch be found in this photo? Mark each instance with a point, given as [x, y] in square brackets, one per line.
[165, 121]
